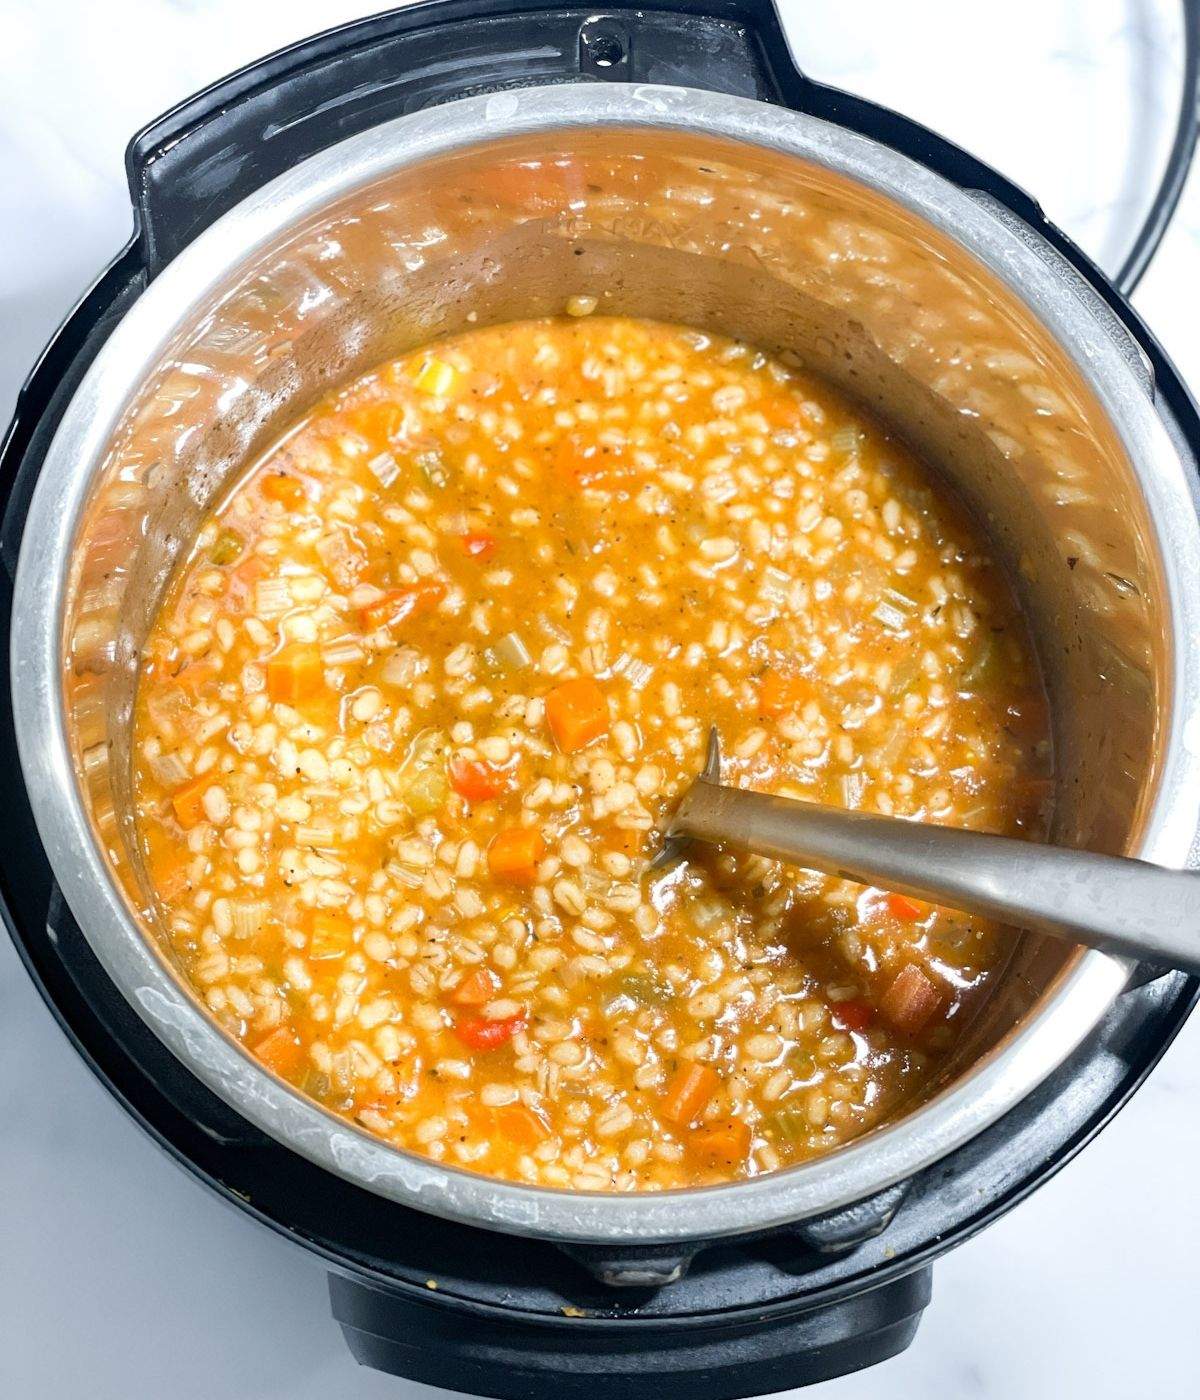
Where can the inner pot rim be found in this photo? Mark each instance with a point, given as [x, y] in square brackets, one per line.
[1070, 1009]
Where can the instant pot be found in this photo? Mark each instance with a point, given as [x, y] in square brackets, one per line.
[455, 164]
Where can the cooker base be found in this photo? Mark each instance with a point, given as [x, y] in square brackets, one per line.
[688, 1358]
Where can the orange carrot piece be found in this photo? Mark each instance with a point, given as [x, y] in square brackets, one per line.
[854, 1015]
[280, 1051]
[723, 1144]
[248, 571]
[295, 674]
[331, 935]
[691, 1087]
[515, 852]
[577, 713]
[188, 802]
[479, 544]
[402, 603]
[910, 1001]
[900, 906]
[477, 988]
[481, 1034]
[196, 675]
[518, 1124]
[287, 490]
[777, 694]
[579, 466]
[477, 782]
[169, 868]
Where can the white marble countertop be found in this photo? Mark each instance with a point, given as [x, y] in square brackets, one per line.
[122, 1279]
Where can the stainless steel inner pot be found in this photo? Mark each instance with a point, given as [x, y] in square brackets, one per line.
[933, 306]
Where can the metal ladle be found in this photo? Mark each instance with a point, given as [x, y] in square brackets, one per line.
[1115, 903]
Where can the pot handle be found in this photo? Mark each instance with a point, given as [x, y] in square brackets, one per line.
[194, 163]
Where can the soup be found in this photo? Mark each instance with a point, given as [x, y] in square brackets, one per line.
[423, 696]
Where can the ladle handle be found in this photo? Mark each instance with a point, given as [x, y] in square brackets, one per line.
[1110, 902]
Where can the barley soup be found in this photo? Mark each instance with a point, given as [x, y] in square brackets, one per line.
[428, 686]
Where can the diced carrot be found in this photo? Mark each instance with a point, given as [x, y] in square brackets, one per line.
[295, 673]
[853, 1015]
[244, 575]
[403, 603]
[481, 1034]
[287, 490]
[515, 852]
[477, 988]
[479, 544]
[195, 676]
[188, 802]
[577, 713]
[169, 868]
[581, 466]
[435, 377]
[691, 1087]
[331, 935]
[910, 1001]
[722, 1144]
[518, 1124]
[280, 1051]
[900, 906]
[477, 782]
[777, 695]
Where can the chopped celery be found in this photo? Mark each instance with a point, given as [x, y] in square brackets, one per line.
[227, 548]
[426, 792]
[508, 654]
[985, 666]
[788, 1125]
[423, 786]
[315, 1084]
[433, 469]
[903, 675]
[644, 988]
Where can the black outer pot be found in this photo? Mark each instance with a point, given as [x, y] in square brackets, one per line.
[418, 1296]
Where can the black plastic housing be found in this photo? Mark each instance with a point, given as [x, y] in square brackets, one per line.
[417, 1296]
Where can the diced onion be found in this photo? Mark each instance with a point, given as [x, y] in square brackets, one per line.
[901, 600]
[320, 837]
[639, 673]
[248, 916]
[405, 875]
[169, 769]
[903, 675]
[853, 787]
[554, 631]
[707, 913]
[384, 468]
[890, 617]
[343, 651]
[893, 745]
[402, 667]
[775, 586]
[272, 597]
[845, 440]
